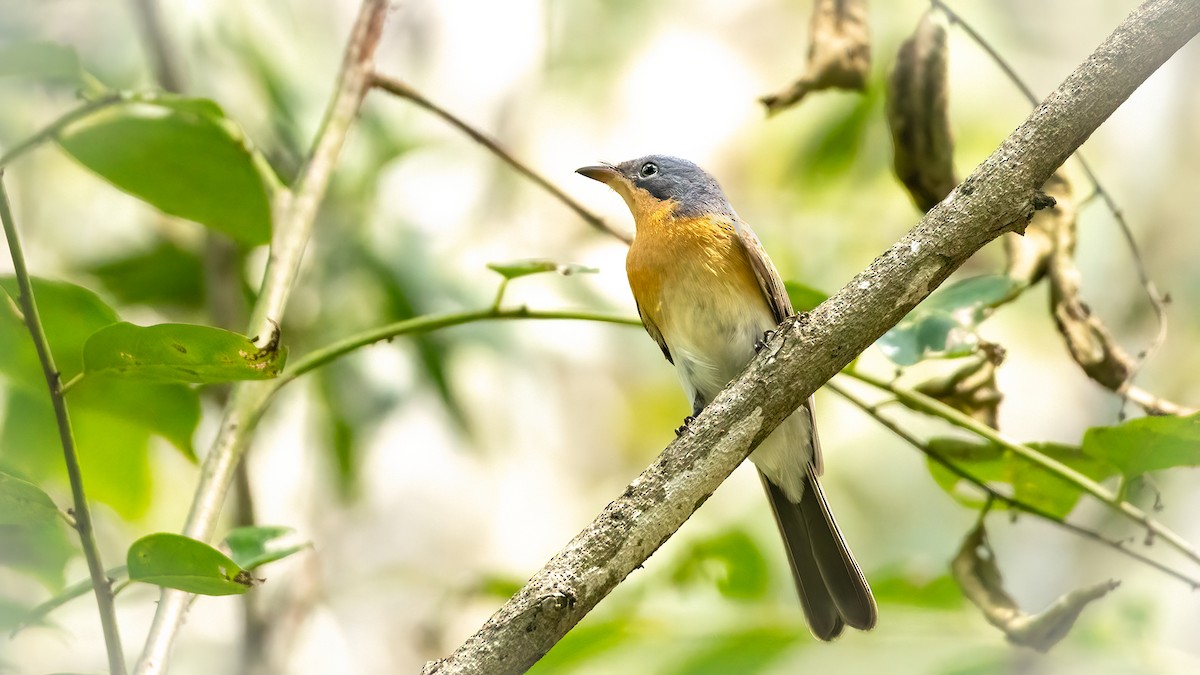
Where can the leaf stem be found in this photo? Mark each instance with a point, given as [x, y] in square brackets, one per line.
[68, 594]
[83, 517]
[401, 89]
[425, 324]
[931, 406]
[53, 129]
[70, 384]
[500, 294]
[996, 495]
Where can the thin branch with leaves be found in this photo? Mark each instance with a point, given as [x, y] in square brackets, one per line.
[872, 410]
[81, 514]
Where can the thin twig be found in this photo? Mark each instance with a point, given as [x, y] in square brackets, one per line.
[425, 324]
[1157, 300]
[83, 515]
[295, 212]
[994, 494]
[1156, 405]
[403, 90]
[76, 590]
[51, 130]
[931, 406]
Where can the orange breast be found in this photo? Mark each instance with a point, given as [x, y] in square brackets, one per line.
[677, 266]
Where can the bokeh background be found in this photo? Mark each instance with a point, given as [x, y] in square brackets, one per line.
[433, 476]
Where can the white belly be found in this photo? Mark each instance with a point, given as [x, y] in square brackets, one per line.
[710, 348]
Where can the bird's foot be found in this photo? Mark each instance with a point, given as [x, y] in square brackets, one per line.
[687, 421]
[762, 341]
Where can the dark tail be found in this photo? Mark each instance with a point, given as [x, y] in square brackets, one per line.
[833, 590]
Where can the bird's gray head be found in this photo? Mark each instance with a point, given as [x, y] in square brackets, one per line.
[656, 180]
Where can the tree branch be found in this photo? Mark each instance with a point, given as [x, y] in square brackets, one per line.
[295, 212]
[808, 350]
[401, 89]
[83, 514]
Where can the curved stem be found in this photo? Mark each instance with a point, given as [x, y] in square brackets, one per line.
[930, 406]
[51, 130]
[83, 516]
[996, 495]
[401, 89]
[424, 324]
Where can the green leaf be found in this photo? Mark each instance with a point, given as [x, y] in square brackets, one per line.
[41, 61]
[177, 352]
[23, 503]
[69, 314]
[182, 156]
[11, 616]
[804, 298]
[163, 275]
[746, 651]
[731, 559]
[585, 643]
[254, 546]
[1147, 444]
[41, 552]
[831, 148]
[168, 409]
[500, 587]
[944, 325]
[1027, 482]
[175, 561]
[113, 451]
[897, 586]
[521, 268]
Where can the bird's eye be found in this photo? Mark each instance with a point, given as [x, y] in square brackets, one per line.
[648, 169]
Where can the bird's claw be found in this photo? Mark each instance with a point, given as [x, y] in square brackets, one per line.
[687, 421]
[762, 341]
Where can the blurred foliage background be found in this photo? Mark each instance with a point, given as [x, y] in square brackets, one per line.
[434, 474]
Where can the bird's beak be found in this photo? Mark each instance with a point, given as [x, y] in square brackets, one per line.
[605, 173]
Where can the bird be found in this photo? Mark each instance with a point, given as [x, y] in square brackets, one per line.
[709, 296]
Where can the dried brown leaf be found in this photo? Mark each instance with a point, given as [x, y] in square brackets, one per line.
[1050, 229]
[975, 570]
[839, 53]
[1088, 340]
[917, 114]
[971, 389]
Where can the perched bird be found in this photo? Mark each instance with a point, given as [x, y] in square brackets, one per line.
[707, 293]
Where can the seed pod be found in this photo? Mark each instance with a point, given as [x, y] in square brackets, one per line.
[917, 114]
[839, 53]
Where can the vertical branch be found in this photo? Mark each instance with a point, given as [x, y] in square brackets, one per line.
[83, 515]
[295, 212]
[162, 57]
[226, 309]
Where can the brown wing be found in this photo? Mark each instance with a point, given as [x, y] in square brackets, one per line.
[654, 333]
[773, 289]
[765, 272]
